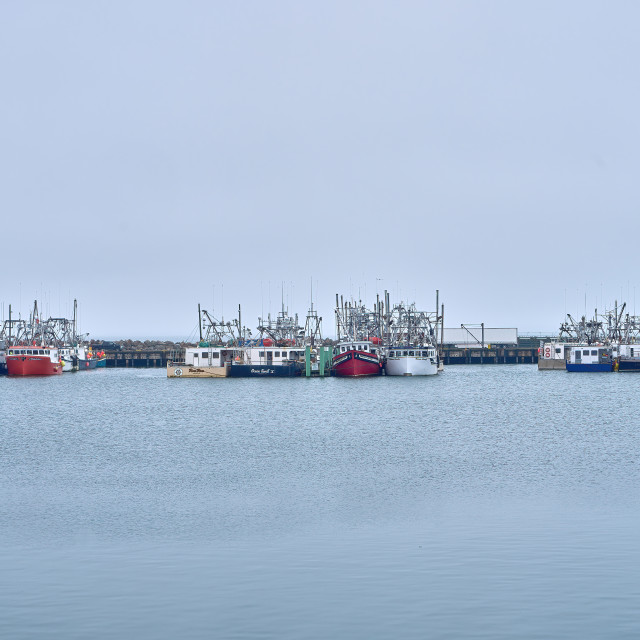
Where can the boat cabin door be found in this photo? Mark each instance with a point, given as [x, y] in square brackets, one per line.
[269, 357]
[578, 355]
[196, 361]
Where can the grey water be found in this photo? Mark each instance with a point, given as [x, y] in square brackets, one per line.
[485, 502]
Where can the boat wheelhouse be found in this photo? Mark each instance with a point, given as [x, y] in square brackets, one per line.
[591, 358]
[33, 361]
[554, 355]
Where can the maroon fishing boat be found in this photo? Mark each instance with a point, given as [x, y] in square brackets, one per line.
[356, 358]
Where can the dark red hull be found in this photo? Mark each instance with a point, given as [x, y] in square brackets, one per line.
[352, 364]
[32, 365]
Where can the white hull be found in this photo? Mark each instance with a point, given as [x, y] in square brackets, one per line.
[411, 366]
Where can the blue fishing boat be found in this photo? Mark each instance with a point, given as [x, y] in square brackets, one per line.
[591, 358]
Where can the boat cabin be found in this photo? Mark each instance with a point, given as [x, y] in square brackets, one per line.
[254, 355]
[414, 352]
[591, 355]
[363, 345]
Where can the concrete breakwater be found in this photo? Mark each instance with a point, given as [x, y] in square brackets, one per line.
[149, 354]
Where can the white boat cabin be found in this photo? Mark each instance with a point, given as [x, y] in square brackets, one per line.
[556, 350]
[592, 354]
[357, 345]
[411, 352]
[49, 352]
[255, 355]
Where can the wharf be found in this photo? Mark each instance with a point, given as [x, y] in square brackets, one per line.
[158, 358]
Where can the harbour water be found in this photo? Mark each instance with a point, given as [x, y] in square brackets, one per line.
[486, 502]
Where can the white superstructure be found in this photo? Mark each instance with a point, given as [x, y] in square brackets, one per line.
[411, 361]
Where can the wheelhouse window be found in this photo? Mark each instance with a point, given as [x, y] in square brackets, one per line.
[344, 349]
[284, 354]
[215, 355]
[425, 354]
[594, 353]
[391, 354]
[276, 354]
[261, 354]
[204, 354]
[41, 352]
[585, 352]
[404, 353]
[412, 353]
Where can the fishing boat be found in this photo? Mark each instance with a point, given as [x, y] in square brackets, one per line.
[628, 357]
[354, 359]
[225, 350]
[33, 360]
[416, 361]
[3, 357]
[592, 358]
[411, 335]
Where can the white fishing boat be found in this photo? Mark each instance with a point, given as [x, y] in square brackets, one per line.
[415, 361]
[411, 349]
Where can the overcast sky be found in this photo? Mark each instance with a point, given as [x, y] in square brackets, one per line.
[155, 154]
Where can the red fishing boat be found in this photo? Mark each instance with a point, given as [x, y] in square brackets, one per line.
[23, 360]
[356, 358]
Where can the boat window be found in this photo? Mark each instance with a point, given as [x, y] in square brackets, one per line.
[41, 352]
[261, 354]
[391, 354]
[365, 348]
[586, 352]
[293, 355]
[284, 354]
[373, 351]
[276, 354]
[425, 354]
[632, 352]
[594, 353]
[558, 349]
[344, 349]
[204, 354]
[412, 353]
[404, 353]
[215, 355]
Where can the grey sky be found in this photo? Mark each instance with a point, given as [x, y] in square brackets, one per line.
[151, 151]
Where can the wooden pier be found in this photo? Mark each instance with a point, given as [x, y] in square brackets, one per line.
[158, 358]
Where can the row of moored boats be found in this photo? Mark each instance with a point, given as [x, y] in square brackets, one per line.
[609, 341]
[44, 347]
[396, 340]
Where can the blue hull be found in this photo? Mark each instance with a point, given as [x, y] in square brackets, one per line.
[264, 371]
[600, 366]
[628, 365]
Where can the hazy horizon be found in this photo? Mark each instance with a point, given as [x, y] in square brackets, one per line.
[155, 153]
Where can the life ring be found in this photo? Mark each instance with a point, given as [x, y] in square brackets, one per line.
[547, 352]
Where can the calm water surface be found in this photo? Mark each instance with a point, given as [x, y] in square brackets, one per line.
[488, 502]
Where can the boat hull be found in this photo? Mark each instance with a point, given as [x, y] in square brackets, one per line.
[410, 366]
[264, 371]
[101, 362]
[585, 368]
[84, 365]
[31, 365]
[628, 365]
[190, 371]
[355, 364]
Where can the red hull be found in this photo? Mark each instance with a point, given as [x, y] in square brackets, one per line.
[31, 365]
[352, 364]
